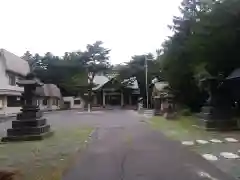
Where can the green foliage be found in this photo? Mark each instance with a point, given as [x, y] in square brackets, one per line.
[46, 159]
[74, 72]
[205, 44]
[136, 68]
[186, 112]
[95, 60]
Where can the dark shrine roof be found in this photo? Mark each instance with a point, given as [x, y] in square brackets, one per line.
[234, 75]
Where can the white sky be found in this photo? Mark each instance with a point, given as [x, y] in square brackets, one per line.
[127, 27]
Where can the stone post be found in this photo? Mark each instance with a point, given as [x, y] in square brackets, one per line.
[49, 103]
[130, 100]
[104, 99]
[5, 104]
[122, 100]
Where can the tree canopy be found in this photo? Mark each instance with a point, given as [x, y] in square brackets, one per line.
[205, 43]
[72, 71]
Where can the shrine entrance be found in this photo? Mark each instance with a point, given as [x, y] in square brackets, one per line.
[113, 100]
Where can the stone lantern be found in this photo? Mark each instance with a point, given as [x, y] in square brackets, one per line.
[168, 107]
[217, 114]
[29, 124]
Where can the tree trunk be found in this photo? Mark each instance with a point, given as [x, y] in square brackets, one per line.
[90, 96]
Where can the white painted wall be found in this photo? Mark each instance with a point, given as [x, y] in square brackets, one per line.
[3, 78]
[71, 100]
[50, 106]
[10, 110]
[53, 107]
[4, 110]
[6, 89]
[4, 82]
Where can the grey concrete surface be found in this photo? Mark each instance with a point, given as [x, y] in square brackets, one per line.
[125, 148]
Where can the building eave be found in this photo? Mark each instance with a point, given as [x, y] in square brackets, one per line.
[10, 92]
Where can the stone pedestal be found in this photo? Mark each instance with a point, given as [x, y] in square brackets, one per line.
[212, 118]
[30, 125]
[217, 113]
[157, 106]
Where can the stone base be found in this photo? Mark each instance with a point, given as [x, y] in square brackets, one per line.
[28, 137]
[28, 130]
[169, 116]
[29, 123]
[29, 126]
[217, 119]
[218, 125]
[157, 113]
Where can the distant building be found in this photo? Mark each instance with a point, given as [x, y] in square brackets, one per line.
[109, 92]
[159, 88]
[12, 69]
[49, 97]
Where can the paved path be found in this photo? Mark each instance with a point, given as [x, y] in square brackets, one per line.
[124, 148]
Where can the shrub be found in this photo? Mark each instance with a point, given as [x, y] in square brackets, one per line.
[186, 112]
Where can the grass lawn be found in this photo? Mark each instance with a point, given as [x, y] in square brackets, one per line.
[181, 129]
[46, 159]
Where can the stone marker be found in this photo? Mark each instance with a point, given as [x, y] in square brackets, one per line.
[29, 124]
[188, 143]
[217, 113]
[229, 155]
[231, 140]
[202, 141]
[210, 157]
[215, 141]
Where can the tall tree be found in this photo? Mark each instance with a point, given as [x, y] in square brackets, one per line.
[96, 60]
[136, 68]
[205, 43]
[29, 58]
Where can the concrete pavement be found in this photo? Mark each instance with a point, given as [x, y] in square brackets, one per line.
[125, 148]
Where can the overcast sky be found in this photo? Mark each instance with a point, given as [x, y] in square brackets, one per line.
[127, 27]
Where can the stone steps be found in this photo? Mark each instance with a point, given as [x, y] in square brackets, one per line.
[148, 113]
[28, 130]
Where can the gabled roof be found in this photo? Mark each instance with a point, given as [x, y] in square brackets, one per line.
[234, 75]
[100, 81]
[14, 63]
[48, 90]
[133, 84]
[161, 85]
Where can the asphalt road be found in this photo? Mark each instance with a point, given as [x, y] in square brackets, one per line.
[125, 148]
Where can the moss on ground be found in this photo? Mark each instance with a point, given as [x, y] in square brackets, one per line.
[182, 128]
[46, 159]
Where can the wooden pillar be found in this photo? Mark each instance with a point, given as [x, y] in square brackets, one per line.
[104, 99]
[122, 99]
[95, 99]
[130, 100]
[49, 103]
[40, 102]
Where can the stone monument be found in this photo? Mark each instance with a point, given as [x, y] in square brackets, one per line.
[30, 125]
[157, 105]
[169, 108]
[217, 114]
